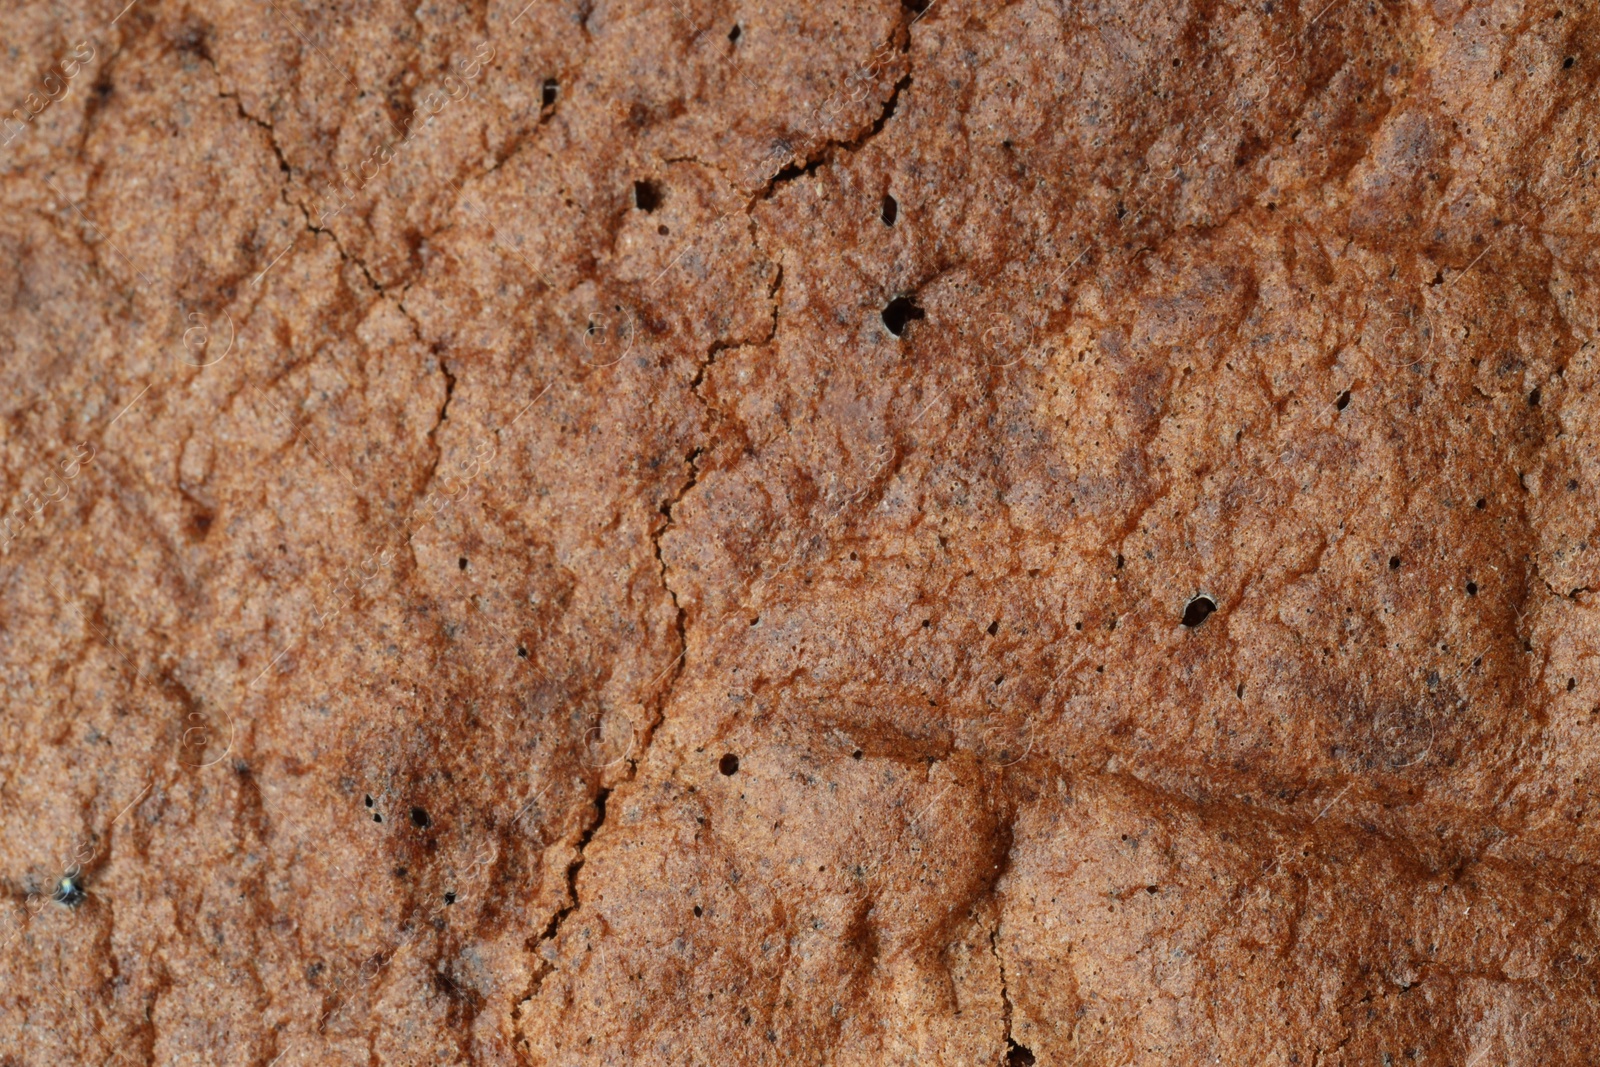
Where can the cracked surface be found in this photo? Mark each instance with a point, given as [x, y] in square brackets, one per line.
[482, 583]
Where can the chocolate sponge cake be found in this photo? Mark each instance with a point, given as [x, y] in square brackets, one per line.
[688, 532]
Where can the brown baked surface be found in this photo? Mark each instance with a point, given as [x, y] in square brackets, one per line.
[562, 623]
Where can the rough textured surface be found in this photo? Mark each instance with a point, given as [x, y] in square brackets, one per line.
[482, 582]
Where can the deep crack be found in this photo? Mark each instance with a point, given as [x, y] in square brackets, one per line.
[825, 154]
[542, 966]
[444, 413]
[1015, 1055]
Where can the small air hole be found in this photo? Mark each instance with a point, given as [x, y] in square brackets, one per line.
[69, 891]
[376, 817]
[522, 652]
[891, 209]
[419, 818]
[1472, 588]
[856, 754]
[916, 7]
[1566, 64]
[462, 563]
[1572, 485]
[734, 35]
[1198, 610]
[1482, 503]
[1240, 691]
[698, 911]
[549, 92]
[449, 898]
[1343, 401]
[369, 801]
[646, 196]
[1152, 889]
[1533, 399]
[663, 229]
[1572, 683]
[994, 627]
[1394, 563]
[899, 312]
[728, 764]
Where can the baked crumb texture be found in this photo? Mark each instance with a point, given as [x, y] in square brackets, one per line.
[686, 532]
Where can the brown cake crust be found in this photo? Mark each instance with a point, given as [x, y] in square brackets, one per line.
[683, 533]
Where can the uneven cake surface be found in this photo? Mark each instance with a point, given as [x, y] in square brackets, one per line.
[678, 532]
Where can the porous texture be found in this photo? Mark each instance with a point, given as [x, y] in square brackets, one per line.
[484, 583]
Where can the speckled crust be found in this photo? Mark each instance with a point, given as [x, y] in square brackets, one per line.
[482, 582]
